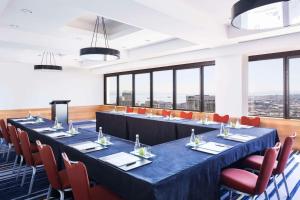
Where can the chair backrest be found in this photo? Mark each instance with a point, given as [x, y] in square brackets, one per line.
[220, 119]
[49, 163]
[25, 146]
[285, 153]
[129, 109]
[142, 111]
[254, 121]
[166, 113]
[78, 178]
[186, 115]
[14, 137]
[4, 131]
[266, 169]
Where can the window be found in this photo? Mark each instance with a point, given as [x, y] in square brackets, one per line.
[209, 88]
[125, 90]
[111, 90]
[188, 89]
[266, 88]
[294, 88]
[142, 90]
[163, 89]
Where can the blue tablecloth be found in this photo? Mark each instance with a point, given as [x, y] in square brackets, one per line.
[176, 172]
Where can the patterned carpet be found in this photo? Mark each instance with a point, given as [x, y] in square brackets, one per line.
[10, 188]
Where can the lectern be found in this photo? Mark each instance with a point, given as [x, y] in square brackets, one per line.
[59, 110]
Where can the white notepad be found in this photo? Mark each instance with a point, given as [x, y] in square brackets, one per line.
[29, 122]
[20, 119]
[240, 137]
[120, 159]
[44, 129]
[58, 135]
[212, 147]
[85, 145]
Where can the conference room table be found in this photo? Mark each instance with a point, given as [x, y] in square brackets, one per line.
[176, 172]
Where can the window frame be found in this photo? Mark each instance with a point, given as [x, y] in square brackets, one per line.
[286, 56]
[174, 68]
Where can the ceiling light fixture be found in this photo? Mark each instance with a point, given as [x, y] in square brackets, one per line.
[14, 26]
[27, 11]
[99, 53]
[48, 63]
[265, 14]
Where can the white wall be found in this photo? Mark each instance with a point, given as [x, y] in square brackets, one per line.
[22, 87]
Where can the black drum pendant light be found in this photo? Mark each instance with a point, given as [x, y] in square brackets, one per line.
[99, 53]
[48, 63]
[265, 14]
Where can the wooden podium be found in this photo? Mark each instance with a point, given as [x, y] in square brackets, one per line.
[60, 110]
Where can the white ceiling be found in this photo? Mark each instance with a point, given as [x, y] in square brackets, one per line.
[141, 29]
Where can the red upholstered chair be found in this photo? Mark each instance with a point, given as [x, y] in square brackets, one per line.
[254, 121]
[141, 111]
[80, 184]
[255, 162]
[186, 115]
[6, 138]
[166, 113]
[58, 179]
[249, 183]
[220, 119]
[32, 160]
[129, 109]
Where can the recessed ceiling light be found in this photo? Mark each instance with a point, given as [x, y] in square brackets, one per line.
[147, 40]
[27, 11]
[13, 26]
[124, 47]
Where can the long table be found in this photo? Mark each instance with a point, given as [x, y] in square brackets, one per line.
[176, 172]
[152, 130]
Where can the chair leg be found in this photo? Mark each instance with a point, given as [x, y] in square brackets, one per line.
[49, 192]
[8, 152]
[276, 187]
[253, 197]
[24, 174]
[61, 194]
[15, 163]
[32, 180]
[230, 194]
[266, 195]
[286, 185]
[20, 166]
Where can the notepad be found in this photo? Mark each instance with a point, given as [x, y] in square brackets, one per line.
[47, 129]
[20, 119]
[239, 137]
[29, 122]
[120, 159]
[212, 147]
[58, 135]
[87, 146]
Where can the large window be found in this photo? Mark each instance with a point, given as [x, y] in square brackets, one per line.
[125, 90]
[111, 90]
[209, 88]
[294, 87]
[188, 89]
[142, 89]
[274, 85]
[163, 89]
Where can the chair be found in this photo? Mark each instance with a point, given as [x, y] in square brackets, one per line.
[186, 115]
[166, 113]
[220, 119]
[80, 184]
[6, 138]
[141, 111]
[58, 179]
[255, 162]
[248, 183]
[32, 160]
[129, 109]
[250, 121]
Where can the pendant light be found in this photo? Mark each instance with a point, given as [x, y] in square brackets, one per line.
[48, 63]
[99, 53]
[265, 14]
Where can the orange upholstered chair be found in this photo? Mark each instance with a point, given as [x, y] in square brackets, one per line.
[58, 179]
[80, 184]
[166, 113]
[220, 119]
[250, 183]
[129, 109]
[6, 138]
[254, 121]
[142, 111]
[32, 160]
[186, 115]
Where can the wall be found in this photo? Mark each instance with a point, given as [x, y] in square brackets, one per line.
[22, 87]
